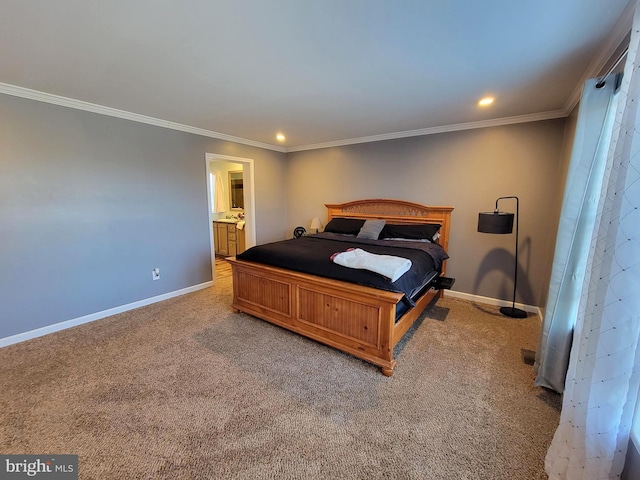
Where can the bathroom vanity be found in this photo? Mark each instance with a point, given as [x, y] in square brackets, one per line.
[229, 240]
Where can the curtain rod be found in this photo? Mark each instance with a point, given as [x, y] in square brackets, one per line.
[602, 81]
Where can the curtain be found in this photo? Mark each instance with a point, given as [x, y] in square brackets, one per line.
[219, 198]
[577, 220]
[601, 387]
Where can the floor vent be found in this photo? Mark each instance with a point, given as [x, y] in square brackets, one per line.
[528, 356]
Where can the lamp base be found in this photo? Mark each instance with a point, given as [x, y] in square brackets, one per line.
[513, 312]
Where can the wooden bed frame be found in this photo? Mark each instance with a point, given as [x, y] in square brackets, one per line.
[355, 319]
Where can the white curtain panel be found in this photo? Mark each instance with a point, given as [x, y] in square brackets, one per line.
[601, 388]
[219, 197]
[577, 222]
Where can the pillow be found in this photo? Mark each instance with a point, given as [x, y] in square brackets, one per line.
[418, 240]
[349, 226]
[371, 229]
[415, 231]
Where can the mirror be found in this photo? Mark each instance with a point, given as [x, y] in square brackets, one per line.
[236, 190]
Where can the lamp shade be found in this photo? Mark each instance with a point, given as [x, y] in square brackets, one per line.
[316, 224]
[495, 222]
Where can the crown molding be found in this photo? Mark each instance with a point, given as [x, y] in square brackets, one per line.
[16, 91]
[533, 117]
[609, 47]
[613, 42]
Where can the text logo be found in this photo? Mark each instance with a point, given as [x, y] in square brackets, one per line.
[49, 467]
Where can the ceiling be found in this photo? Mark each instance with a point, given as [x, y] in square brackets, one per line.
[323, 72]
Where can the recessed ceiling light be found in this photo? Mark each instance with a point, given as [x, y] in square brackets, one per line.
[485, 101]
[280, 137]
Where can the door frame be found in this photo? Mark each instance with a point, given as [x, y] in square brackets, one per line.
[249, 200]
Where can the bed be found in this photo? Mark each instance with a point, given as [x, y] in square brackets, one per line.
[365, 319]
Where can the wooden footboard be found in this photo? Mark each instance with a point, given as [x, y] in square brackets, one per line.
[354, 319]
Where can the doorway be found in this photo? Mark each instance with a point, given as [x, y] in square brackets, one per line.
[226, 163]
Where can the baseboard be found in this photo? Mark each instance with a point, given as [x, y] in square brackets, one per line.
[492, 301]
[39, 332]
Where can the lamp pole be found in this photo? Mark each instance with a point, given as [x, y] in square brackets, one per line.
[513, 311]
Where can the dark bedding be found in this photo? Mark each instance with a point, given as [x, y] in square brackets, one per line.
[312, 254]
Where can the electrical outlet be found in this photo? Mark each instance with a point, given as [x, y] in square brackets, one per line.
[155, 274]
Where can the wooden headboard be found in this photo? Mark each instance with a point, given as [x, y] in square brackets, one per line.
[397, 212]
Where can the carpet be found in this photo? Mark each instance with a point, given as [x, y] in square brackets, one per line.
[187, 389]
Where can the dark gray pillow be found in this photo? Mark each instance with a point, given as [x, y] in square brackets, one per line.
[371, 229]
[347, 226]
[420, 231]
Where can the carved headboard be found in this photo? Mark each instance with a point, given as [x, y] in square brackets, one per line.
[396, 212]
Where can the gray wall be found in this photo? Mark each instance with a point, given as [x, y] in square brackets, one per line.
[467, 170]
[89, 204]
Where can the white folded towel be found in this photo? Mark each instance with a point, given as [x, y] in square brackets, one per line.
[386, 265]
[240, 225]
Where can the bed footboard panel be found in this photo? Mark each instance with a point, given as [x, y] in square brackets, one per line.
[329, 312]
[354, 319]
[270, 296]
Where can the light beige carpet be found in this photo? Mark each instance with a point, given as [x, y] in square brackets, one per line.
[187, 389]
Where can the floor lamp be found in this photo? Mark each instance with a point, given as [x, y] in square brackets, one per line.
[502, 223]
